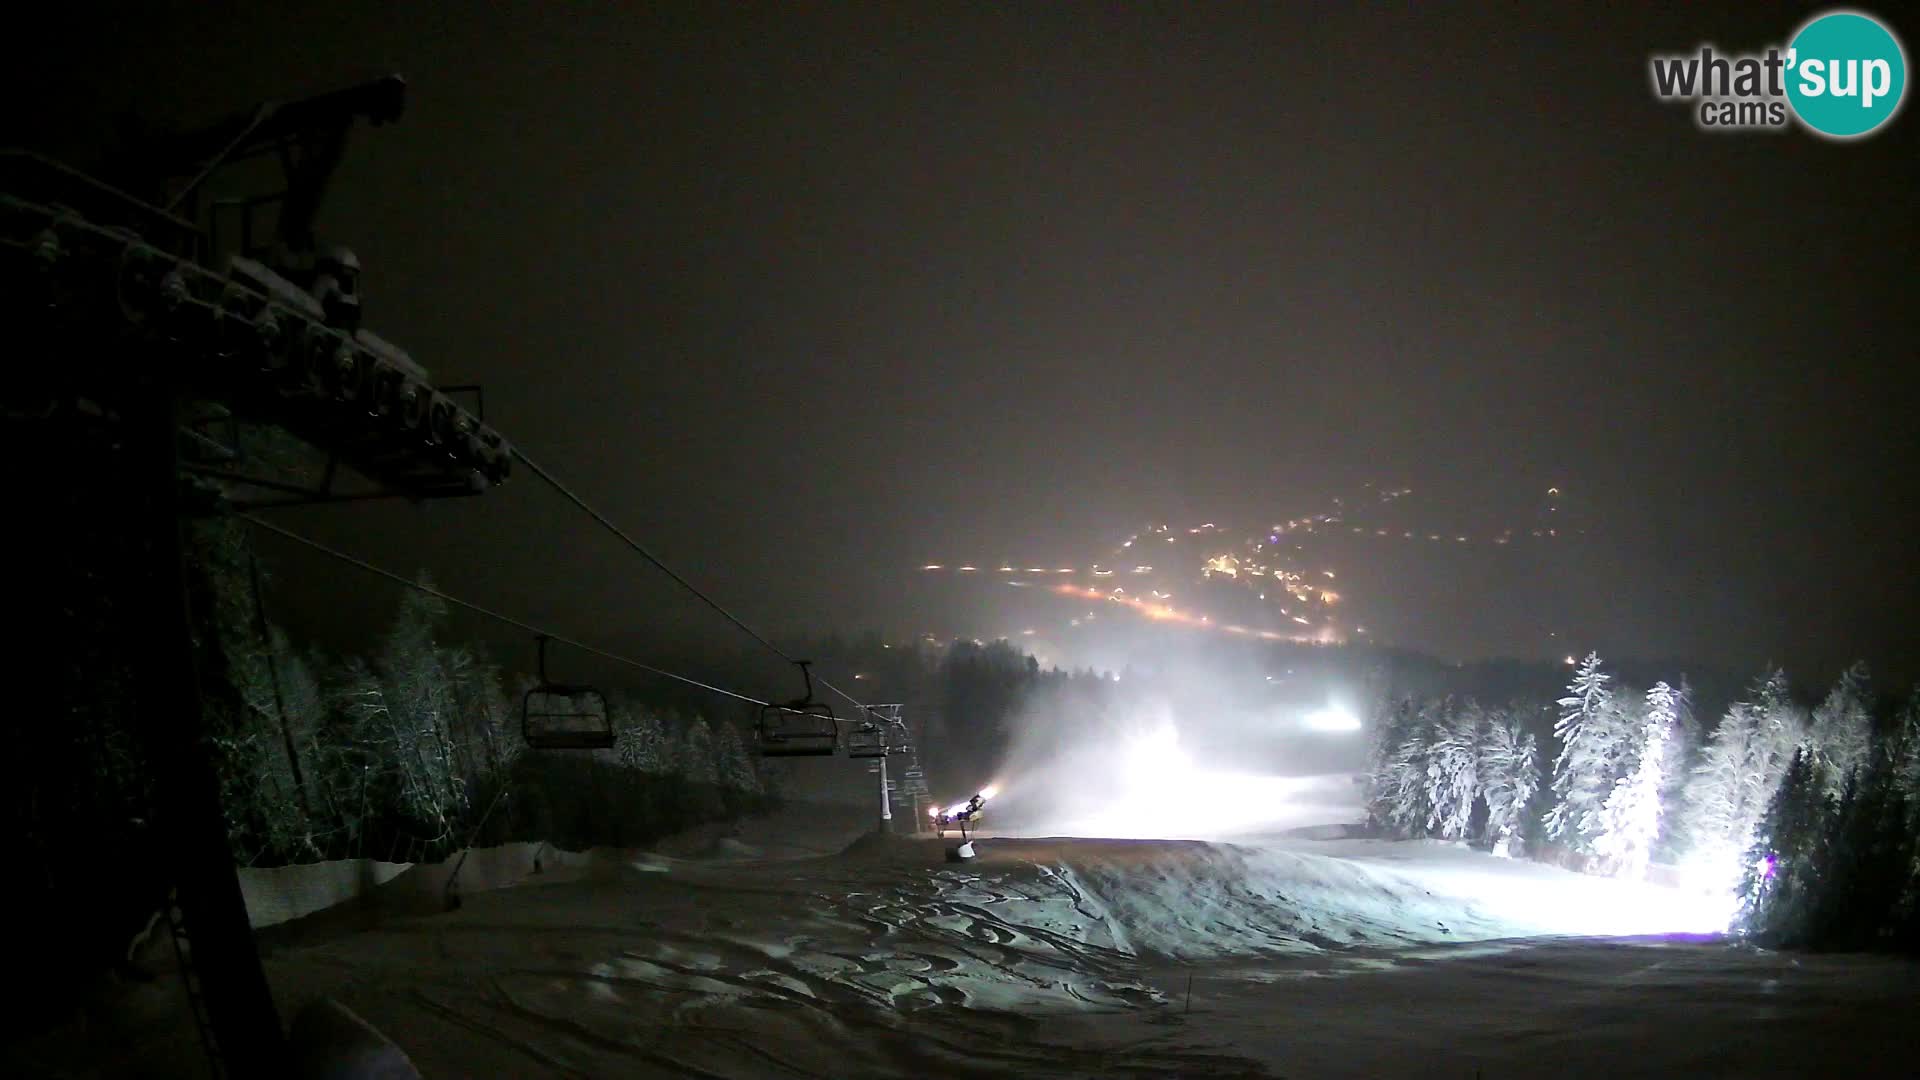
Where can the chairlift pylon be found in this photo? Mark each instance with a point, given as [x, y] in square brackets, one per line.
[802, 727]
[556, 716]
[868, 741]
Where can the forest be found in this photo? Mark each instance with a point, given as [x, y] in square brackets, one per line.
[1807, 814]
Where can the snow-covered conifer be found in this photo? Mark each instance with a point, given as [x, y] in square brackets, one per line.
[1453, 781]
[1583, 772]
[1630, 820]
[696, 756]
[1841, 731]
[736, 768]
[1738, 772]
[1510, 774]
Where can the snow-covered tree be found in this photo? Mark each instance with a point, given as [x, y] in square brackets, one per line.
[1509, 774]
[418, 697]
[1683, 750]
[696, 758]
[1903, 751]
[1453, 781]
[1716, 801]
[640, 743]
[736, 768]
[1783, 869]
[1386, 729]
[1585, 770]
[1397, 796]
[1841, 731]
[1738, 772]
[1630, 820]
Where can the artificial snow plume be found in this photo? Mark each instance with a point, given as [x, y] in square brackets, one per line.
[1630, 820]
[1841, 731]
[1509, 775]
[1592, 729]
[1147, 765]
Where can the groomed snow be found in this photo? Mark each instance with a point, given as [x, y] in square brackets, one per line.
[1059, 957]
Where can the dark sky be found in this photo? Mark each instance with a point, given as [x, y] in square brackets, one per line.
[808, 296]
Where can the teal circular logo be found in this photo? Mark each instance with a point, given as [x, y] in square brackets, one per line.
[1846, 74]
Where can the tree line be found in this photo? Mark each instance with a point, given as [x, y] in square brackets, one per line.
[415, 749]
[1808, 814]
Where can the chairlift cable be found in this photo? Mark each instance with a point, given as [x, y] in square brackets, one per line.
[490, 613]
[568, 494]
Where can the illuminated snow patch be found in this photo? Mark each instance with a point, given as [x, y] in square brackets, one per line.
[1333, 718]
[1532, 899]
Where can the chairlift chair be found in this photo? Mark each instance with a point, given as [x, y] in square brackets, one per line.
[867, 742]
[555, 716]
[802, 727]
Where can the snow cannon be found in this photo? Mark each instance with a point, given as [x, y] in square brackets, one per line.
[965, 816]
[970, 810]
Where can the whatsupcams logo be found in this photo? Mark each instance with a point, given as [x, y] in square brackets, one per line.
[1842, 75]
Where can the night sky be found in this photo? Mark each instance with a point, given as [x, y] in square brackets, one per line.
[809, 296]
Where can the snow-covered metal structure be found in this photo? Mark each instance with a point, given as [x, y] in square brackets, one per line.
[156, 307]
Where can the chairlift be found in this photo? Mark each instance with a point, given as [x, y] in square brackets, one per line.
[554, 716]
[869, 741]
[802, 727]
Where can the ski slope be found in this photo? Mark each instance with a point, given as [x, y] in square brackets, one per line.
[1056, 957]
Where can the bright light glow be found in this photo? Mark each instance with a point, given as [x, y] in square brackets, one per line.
[933, 811]
[1148, 785]
[1332, 718]
[1533, 899]
[989, 792]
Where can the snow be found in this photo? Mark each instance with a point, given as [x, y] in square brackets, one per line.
[1309, 954]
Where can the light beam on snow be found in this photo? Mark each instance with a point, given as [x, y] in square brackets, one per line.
[1333, 718]
[1535, 899]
